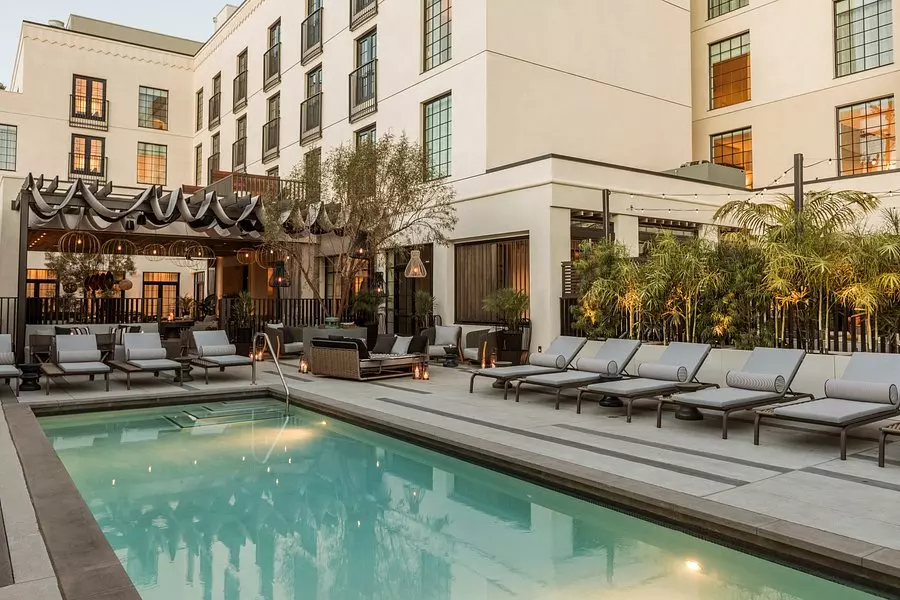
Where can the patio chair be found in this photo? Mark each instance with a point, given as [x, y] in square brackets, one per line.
[441, 337]
[556, 359]
[144, 353]
[867, 392]
[214, 351]
[8, 369]
[75, 355]
[478, 346]
[608, 363]
[765, 379]
[679, 363]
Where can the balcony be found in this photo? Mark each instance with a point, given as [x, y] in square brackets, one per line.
[240, 91]
[215, 110]
[272, 67]
[270, 139]
[361, 11]
[311, 37]
[212, 165]
[364, 91]
[88, 114]
[311, 119]
[239, 155]
[87, 168]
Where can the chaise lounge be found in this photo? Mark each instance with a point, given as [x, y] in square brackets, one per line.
[214, 351]
[679, 363]
[608, 363]
[75, 355]
[143, 353]
[766, 378]
[867, 392]
[556, 359]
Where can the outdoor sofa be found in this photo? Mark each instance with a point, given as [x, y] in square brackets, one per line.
[214, 351]
[559, 355]
[350, 359]
[608, 363]
[766, 378]
[8, 369]
[679, 363]
[867, 392]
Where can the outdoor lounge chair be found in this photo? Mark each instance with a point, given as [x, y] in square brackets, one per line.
[75, 355]
[867, 392]
[765, 379]
[679, 363]
[8, 369]
[214, 351]
[609, 362]
[144, 353]
[556, 359]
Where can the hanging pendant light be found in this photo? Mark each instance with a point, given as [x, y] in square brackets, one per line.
[416, 268]
[280, 277]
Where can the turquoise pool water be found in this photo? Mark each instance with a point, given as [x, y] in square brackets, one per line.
[199, 503]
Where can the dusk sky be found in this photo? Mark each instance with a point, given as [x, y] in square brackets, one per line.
[190, 19]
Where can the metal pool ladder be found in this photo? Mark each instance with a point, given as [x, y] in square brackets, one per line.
[267, 343]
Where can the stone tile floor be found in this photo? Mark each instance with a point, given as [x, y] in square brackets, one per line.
[794, 476]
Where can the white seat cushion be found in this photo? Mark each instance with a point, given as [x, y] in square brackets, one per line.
[437, 351]
[835, 411]
[229, 361]
[469, 353]
[293, 347]
[515, 371]
[84, 367]
[564, 379]
[154, 364]
[9, 371]
[633, 387]
[725, 398]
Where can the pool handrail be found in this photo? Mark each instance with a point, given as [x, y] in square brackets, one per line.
[257, 356]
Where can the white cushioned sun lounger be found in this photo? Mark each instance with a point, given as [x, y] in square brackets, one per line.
[8, 368]
[214, 350]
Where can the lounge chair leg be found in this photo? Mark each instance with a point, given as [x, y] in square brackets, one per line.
[106, 380]
[628, 410]
[882, 440]
[578, 402]
[46, 385]
[659, 405]
[206, 375]
[128, 381]
[844, 444]
[756, 429]
[558, 392]
[181, 376]
[472, 381]
[505, 389]
[725, 425]
[518, 388]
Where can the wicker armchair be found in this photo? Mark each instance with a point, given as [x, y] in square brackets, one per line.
[479, 346]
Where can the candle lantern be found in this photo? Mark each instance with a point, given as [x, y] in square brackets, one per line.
[304, 366]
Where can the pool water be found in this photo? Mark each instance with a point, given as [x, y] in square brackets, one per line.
[229, 501]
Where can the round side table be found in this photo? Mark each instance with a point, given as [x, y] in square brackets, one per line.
[452, 354]
[688, 413]
[30, 378]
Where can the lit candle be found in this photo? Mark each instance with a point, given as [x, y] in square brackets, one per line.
[304, 366]
[425, 375]
[416, 372]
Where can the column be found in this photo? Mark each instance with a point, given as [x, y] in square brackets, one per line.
[549, 246]
[442, 278]
[626, 230]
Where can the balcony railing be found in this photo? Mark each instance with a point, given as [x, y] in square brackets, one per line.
[311, 119]
[240, 91]
[364, 91]
[239, 155]
[87, 114]
[212, 165]
[86, 168]
[311, 37]
[272, 67]
[215, 110]
[270, 139]
[361, 11]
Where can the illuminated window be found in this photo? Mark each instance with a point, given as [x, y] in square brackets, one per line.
[88, 155]
[8, 140]
[482, 268]
[198, 165]
[160, 293]
[866, 137]
[734, 149]
[863, 35]
[41, 283]
[437, 137]
[437, 32]
[151, 164]
[729, 71]
[718, 8]
[89, 97]
[153, 108]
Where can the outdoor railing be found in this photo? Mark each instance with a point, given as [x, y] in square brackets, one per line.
[239, 154]
[215, 110]
[311, 36]
[227, 184]
[272, 66]
[311, 119]
[361, 11]
[85, 167]
[240, 91]
[364, 90]
[86, 114]
[270, 135]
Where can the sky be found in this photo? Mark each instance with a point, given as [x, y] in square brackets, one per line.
[191, 19]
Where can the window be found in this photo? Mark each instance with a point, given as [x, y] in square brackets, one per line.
[866, 137]
[214, 145]
[199, 286]
[367, 135]
[271, 129]
[273, 172]
[241, 128]
[734, 149]
[198, 165]
[242, 62]
[213, 160]
[239, 148]
[275, 34]
[272, 57]
[88, 156]
[153, 108]
[367, 48]
[863, 35]
[8, 140]
[160, 293]
[363, 80]
[314, 82]
[437, 137]
[41, 283]
[485, 267]
[199, 109]
[239, 84]
[312, 162]
[151, 164]
[437, 32]
[89, 97]
[717, 8]
[215, 101]
[729, 71]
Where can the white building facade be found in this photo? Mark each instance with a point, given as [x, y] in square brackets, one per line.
[533, 112]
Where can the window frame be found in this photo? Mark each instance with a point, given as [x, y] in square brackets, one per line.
[160, 285]
[89, 144]
[358, 46]
[436, 40]
[508, 278]
[835, 40]
[15, 147]
[140, 91]
[426, 142]
[732, 132]
[198, 164]
[840, 158]
[89, 96]
[165, 156]
[368, 132]
[199, 110]
[719, 3]
[308, 79]
[711, 76]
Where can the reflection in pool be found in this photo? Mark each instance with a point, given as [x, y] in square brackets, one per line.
[199, 502]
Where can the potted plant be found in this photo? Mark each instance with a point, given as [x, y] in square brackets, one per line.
[366, 306]
[242, 320]
[509, 305]
[423, 309]
[186, 304]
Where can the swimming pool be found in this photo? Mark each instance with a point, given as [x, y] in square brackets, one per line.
[230, 501]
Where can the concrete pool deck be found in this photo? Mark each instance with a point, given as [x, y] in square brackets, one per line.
[790, 495]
